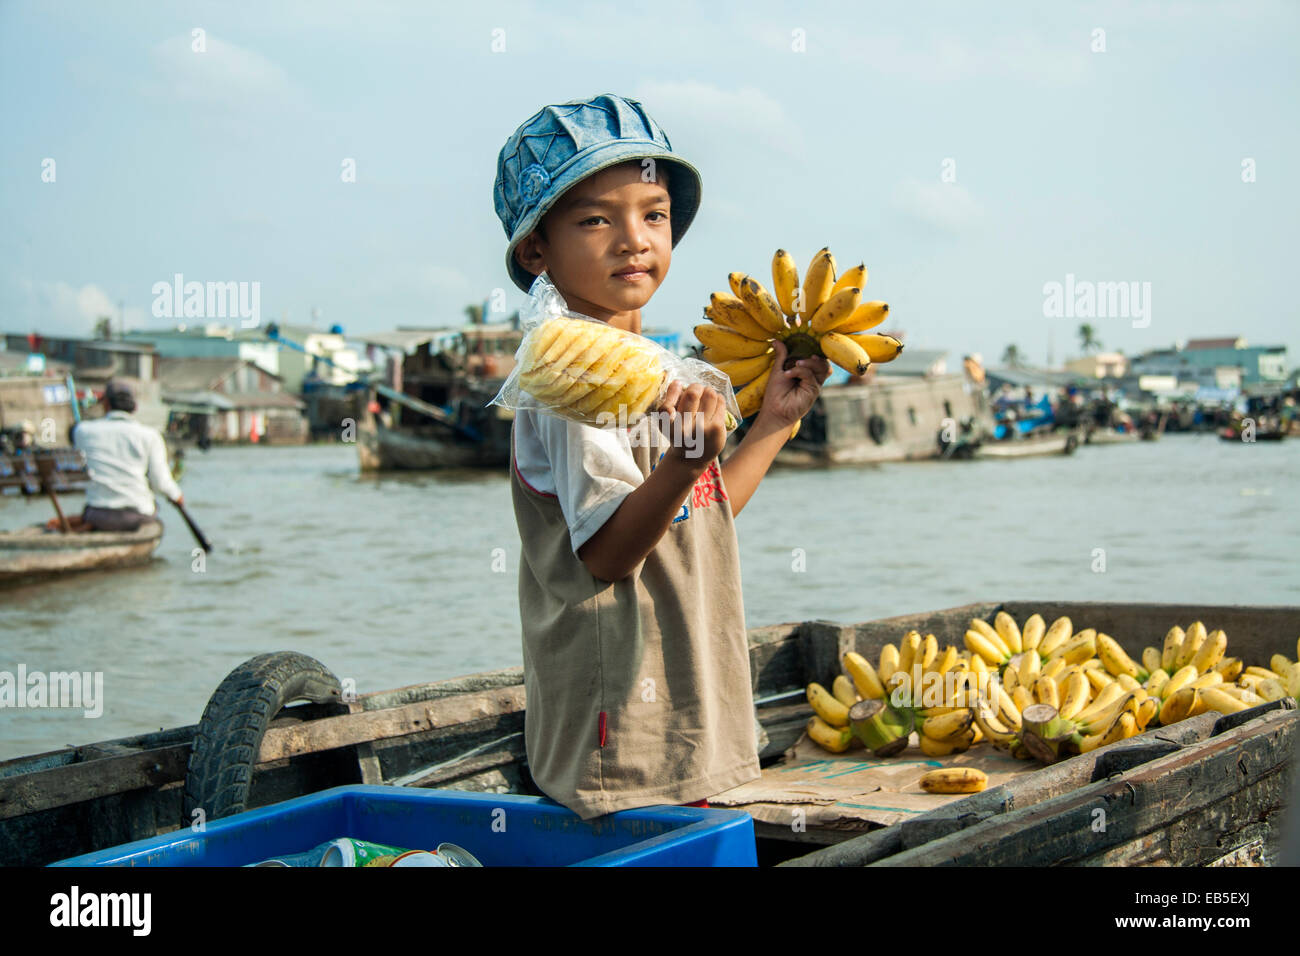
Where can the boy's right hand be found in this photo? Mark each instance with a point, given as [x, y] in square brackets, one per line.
[703, 424]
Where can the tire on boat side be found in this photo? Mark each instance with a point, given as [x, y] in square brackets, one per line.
[219, 775]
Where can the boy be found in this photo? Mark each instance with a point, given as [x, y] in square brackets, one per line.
[636, 659]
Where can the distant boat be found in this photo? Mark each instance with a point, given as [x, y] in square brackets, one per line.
[1032, 445]
[38, 551]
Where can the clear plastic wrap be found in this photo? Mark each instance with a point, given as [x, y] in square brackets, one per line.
[580, 368]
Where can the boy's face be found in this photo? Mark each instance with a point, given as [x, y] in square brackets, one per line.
[607, 243]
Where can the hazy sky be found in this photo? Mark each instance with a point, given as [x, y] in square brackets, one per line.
[1122, 164]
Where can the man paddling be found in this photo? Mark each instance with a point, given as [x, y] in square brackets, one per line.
[124, 459]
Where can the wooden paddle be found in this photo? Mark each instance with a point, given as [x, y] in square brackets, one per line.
[203, 542]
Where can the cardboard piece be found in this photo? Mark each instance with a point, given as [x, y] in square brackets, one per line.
[854, 790]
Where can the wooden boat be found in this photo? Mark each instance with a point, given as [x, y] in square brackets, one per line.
[1109, 436]
[466, 733]
[37, 550]
[1051, 443]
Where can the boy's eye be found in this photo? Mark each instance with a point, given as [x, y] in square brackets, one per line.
[660, 213]
[591, 219]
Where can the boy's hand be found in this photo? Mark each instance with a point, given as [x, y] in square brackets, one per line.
[701, 419]
[791, 392]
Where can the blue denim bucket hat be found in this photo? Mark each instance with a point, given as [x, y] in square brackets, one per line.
[561, 145]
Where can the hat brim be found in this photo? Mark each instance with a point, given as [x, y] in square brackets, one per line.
[684, 187]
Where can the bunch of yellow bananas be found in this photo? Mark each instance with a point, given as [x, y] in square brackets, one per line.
[823, 316]
[1039, 690]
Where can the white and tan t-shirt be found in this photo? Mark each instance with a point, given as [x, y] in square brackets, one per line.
[638, 691]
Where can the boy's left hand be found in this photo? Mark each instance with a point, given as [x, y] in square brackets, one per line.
[791, 392]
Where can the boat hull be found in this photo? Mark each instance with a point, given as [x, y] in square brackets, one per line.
[1054, 444]
[36, 551]
[467, 733]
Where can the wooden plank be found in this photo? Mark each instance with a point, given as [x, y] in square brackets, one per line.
[349, 729]
[1061, 829]
[78, 782]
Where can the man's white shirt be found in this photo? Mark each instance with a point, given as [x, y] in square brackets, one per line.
[123, 459]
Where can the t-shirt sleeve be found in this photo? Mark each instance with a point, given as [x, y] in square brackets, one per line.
[593, 469]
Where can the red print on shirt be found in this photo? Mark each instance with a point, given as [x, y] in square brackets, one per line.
[708, 488]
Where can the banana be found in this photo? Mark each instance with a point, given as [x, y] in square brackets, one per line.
[727, 343]
[879, 348]
[945, 726]
[764, 309]
[1059, 632]
[836, 310]
[945, 748]
[1116, 660]
[826, 706]
[1231, 668]
[1178, 680]
[1155, 685]
[1022, 698]
[1033, 632]
[1045, 692]
[907, 649]
[1104, 699]
[1011, 673]
[1097, 679]
[735, 280]
[991, 727]
[750, 398]
[842, 689]
[1124, 726]
[1208, 679]
[1278, 663]
[989, 632]
[1031, 667]
[845, 353]
[946, 661]
[785, 280]
[865, 679]
[929, 651]
[817, 284]
[1056, 668]
[1077, 692]
[1009, 631]
[865, 317]
[857, 276]
[1262, 672]
[835, 739]
[1179, 705]
[1173, 646]
[1146, 712]
[1102, 717]
[743, 371]
[1271, 689]
[1215, 699]
[727, 310]
[1209, 654]
[888, 662]
[954, 780]
[1128, 683]
[1151, 659]
[1191, 644]
[984, 649]
[1007, 711]
[1079, 648]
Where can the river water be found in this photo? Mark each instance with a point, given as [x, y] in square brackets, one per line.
[408, 578]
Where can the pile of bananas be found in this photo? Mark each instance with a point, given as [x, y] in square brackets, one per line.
[823, 316]
[1039, 691]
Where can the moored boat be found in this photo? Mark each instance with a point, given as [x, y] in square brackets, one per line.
[467, 734]
[36, 550]
[1051, 443]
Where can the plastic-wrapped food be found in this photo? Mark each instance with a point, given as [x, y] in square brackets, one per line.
[580, 368]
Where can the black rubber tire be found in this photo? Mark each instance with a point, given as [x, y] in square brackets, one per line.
[219, 775]
[877, 429]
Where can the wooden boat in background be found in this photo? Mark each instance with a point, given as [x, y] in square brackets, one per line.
[37, 550]
[1050, 443]
[1217, 772]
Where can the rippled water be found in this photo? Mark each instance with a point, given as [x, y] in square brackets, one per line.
[392, 580]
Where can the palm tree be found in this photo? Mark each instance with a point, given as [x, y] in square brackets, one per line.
[1011, 356]
[1088, 338]
[475, 314]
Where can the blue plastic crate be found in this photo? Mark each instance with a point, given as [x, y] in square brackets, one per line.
[529, 831]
